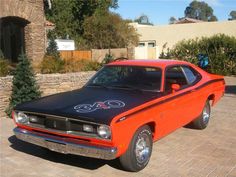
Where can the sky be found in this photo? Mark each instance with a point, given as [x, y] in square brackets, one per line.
[160, 11]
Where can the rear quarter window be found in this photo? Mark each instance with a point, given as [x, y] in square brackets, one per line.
[190, 74]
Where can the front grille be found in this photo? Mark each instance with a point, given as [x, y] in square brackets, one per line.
[62, 124]
[56, 124]
[76, 126]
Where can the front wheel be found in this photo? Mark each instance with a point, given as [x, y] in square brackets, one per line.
[202, 122]
[139, 151]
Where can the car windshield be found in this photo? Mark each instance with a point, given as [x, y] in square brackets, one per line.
[128, 77]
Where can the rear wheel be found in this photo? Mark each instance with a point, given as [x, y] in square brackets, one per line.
[202, 122]
[139, 151]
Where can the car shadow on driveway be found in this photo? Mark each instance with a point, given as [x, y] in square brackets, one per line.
[68, 159]
[230, 89]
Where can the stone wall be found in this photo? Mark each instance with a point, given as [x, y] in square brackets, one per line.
[49, 84]
[33, 12]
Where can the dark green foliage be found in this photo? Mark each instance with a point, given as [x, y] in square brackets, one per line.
[165, 55]
[1, 54]
[90, 23]
[232, 15]
[200, 10]
[69, 15]
[220, 49]
[107, 30]
[4, 65]
[91, 66]
[52, 49]
[24, 86]
[62, 15]
[51, 64]
[143, 19]
[4, 69]
[108, 58]
[172, 20]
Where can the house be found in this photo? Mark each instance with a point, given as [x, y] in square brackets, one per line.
[185, 20]
[155, 39]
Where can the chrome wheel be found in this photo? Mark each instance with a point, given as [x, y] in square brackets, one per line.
[206, 114]
[139, 151]
[142, 148]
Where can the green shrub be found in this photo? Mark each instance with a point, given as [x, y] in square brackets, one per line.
[92, 66]
[50, 64]
[108, 58]
[4, 66]
[73, 65]
[24, 86]
[52, 49]
[220, 49]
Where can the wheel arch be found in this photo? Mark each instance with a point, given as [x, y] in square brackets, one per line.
[212, 99]
[152, 126]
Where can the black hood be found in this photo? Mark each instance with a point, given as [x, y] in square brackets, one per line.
[93, 104]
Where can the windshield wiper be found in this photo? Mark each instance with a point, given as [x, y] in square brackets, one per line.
[97, 85]
[126, 87]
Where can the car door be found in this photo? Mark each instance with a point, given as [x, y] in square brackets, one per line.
[178, 107]
[194, 110]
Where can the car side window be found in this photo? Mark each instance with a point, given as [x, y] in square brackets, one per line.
[174, 75]
[191, 75]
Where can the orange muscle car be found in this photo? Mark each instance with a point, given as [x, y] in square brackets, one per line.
[122, 110]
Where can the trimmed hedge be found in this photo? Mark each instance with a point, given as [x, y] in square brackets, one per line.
[220, 49]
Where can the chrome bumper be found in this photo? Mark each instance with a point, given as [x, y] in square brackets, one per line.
[66, 145]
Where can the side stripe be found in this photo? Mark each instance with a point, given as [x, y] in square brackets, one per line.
[171, 98]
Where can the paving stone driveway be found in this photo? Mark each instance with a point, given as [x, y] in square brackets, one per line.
[185, 153]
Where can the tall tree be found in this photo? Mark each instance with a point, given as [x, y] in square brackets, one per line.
[24, 86]
[69, 15]
[52, 49]
[200, 10]
[108, 30]
[144, 20]
[232, 15]
[172, 20]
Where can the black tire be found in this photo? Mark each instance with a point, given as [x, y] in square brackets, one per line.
[202, 121]
[137, 157]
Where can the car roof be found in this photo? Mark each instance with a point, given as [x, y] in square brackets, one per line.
[152, 63]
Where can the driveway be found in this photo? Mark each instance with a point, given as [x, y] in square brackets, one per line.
[185, 152]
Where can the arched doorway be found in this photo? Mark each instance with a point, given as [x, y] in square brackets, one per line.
[12, 37]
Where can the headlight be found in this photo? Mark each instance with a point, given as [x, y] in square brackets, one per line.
[104, 131]
[88, 128]
[21, 118]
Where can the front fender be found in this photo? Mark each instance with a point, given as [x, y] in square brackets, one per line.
[124, 130]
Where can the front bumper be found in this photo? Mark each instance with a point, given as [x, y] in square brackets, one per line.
[66, 145]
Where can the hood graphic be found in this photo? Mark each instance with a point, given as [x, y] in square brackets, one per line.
[93, 104]
[108, 104]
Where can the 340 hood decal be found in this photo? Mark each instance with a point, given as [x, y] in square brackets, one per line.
[108, 104]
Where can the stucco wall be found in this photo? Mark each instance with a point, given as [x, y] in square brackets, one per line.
[171, 34]
[49, 84]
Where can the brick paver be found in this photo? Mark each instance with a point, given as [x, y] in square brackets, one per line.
[185, 152]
